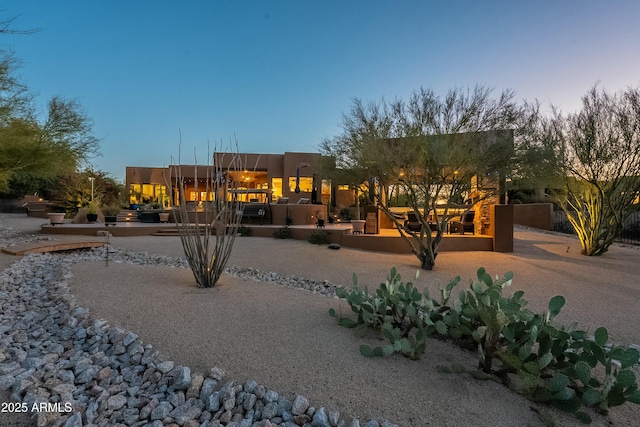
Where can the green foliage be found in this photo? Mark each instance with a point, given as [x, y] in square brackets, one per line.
[595, 153]
[282, 233]
[92, 208]
[396, 308]
[111, 210]
[74, 190]
[34, 153]
[561, 366]
[438, 143]
[319, 237]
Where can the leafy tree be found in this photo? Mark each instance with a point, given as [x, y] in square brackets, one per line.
[533, 168]
[74, 190]
[69, 128]
[15, 99]
[413, 147]
[353, 150]
[33, 153]
[597, 155]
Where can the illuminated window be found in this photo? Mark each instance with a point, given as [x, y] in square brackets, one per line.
[306, 184]
[326, 191]
[135, 193]
[343, 187]
[276, 188]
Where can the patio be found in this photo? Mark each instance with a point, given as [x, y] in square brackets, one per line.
[386, 240]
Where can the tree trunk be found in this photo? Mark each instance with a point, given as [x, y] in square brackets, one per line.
[428, 262]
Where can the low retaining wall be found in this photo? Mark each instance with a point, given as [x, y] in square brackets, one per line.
[382, 243]
[536, 215]
[304, 214]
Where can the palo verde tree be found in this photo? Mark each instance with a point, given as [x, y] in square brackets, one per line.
[440, 175]
[413, 148]
[597, 156]
[354, 149]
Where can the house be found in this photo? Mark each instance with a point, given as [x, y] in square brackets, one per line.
[265, 177]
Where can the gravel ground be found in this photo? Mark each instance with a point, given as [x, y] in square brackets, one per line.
[284, 339]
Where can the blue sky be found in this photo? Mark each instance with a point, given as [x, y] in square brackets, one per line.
[279, 74]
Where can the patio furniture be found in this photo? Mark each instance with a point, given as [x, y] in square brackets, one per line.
[413, 223]
[463, 224]
[256, 211]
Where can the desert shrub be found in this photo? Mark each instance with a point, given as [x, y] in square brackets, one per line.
[562, 366]
[319, 237]
[282, 233]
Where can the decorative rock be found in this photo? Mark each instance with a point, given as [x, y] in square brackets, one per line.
[6, 382]
[52, 351]
[320, 419]
[249, 401]
[130, 415]
[284, 405]
[226, 417]
[196, 384]
[270, 410]
[301, 419]
[165, 367]
[184, 413]
[216, 373]
[145, 412]
[300, 405]
[260, 391]
[116, 402]
[334, 416]
[161, 411]
[74, 421]
[182, 378]
[213, 402]
[229, 403]
[271, 396]
[208, 387]
[334, 246]
[129, 338]
[250, 386]
[87, 375]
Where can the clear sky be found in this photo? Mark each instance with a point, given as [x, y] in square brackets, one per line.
[279, 74]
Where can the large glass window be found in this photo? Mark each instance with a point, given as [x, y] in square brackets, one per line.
[148, 193]
[326, 191]
[306, 184]
[276, 188]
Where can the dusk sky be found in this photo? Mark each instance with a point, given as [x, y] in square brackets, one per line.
[279, 74]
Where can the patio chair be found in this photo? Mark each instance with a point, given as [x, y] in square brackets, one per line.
[463, 224]
[412, 223]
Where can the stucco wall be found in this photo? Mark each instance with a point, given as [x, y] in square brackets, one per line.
[536, 215]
